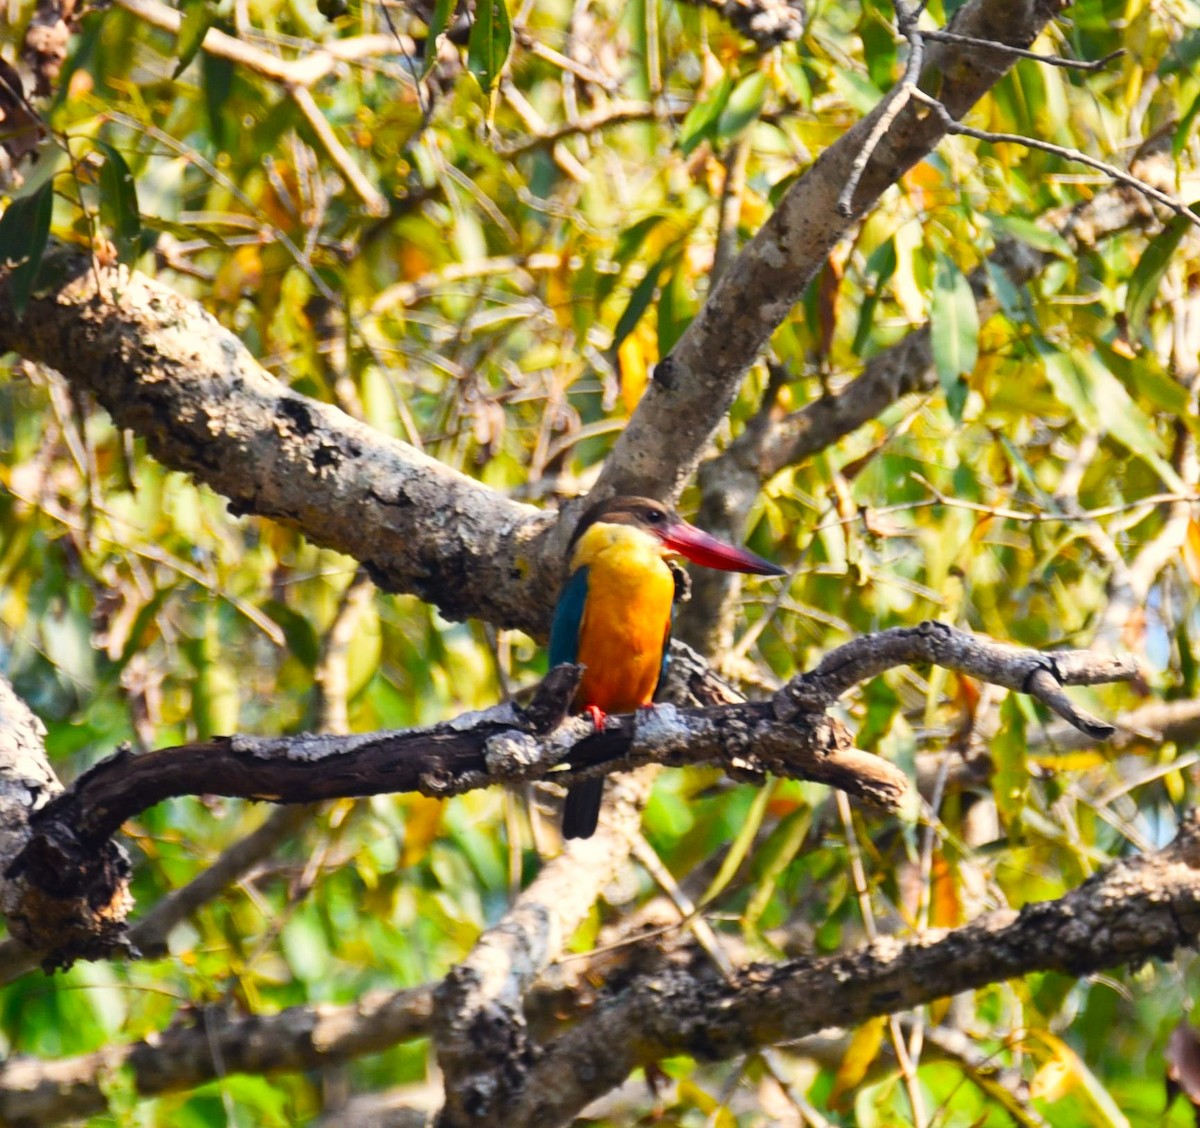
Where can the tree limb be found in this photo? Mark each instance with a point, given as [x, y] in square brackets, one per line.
[730, 482]
[499, 745]
[85, 923]
[35, 1092]
[1129, 912]
[694, 386]
[792, 736]
[167, 370]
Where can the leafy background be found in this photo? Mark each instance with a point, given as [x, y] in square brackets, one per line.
[504, 316]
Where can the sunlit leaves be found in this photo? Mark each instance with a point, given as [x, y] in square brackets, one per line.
[489, 43]
[24, 230]
[954, 329]
[1010, 783]
[197, 19]
[438, 22]
[535, 271]
[119, 203]
[1148, 274]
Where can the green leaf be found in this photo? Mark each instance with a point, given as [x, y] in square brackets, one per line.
[879, 45]
[1010, 782]
[676, 308]
[301, 639]
[1038, 237]
[779, 852]
[217, 75]
[1182, 56]
[703, 116]
[119, 203]
[954, 331]
[24, 231]
[642, 294]
[489, 43]
[438, 22]
[882, 265]
[1184, 130]
[740, 846]
[197, 19]
[629, 242]
[744, 106]
[1148, 274]
[1101, 403]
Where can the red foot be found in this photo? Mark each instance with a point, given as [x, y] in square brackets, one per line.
[599, 717]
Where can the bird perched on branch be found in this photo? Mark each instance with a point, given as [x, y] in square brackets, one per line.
[614, 614]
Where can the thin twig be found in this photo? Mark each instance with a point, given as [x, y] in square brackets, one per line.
[373, 200]
[1021, 53]
[1076, 155]
[862, 892]
[899, 97]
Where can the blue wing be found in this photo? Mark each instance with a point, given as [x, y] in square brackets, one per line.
[564, 631]
[666, 658]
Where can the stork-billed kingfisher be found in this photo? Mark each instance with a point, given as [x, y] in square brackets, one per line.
[614, 614]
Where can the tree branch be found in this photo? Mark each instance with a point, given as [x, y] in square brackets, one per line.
[499, 745]
[1129, 912]
[731, 481]
[167, 370]
[694, 386]
[85, 923]
[480, 1025]
[33, 1091]
[790, 736]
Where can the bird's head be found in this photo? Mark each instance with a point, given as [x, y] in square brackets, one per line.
[674, 534]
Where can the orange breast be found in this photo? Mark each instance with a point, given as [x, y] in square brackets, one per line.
[625, 623]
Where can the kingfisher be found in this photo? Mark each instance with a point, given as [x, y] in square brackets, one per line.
[614, 614]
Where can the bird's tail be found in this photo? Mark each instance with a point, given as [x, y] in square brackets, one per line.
[581, 811]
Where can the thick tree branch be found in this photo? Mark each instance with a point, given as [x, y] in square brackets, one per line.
[480, 1026]
[1041, 674]
[694, 386]
[88, 922]
[1131, 911]
[790, 736]
[168, 371]
[499, 745]
[35, 1092]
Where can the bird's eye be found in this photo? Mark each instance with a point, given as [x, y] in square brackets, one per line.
[654, 516]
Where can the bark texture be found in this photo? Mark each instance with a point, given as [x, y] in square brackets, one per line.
[1131, 911]
[88, 922]
[167, 370]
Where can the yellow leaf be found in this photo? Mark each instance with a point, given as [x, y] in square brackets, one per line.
[1068, 761]
[945, 909]
[422, 822]
[1055, 1080]
[862, 1051]
[560, 292]
[637, 354]
[1191, 550]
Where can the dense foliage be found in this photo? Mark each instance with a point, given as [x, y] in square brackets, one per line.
[556, 191]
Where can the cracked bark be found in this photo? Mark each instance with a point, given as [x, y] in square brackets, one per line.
[89, 921]
[67, 854]
[63, 855]
[1131, 911]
